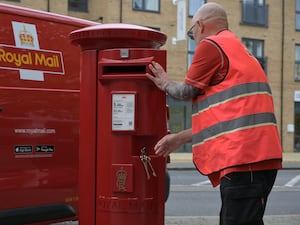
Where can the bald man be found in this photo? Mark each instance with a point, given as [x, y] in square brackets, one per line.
[234, 135]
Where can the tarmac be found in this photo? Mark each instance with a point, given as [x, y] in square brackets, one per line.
[214, 220]
[183, 161]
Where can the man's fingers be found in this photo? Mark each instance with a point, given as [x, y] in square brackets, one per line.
[153, 70]
[161, 148]
[148, 75]
[158, 76]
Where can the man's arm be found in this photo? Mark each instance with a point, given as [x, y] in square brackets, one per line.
[182, 91]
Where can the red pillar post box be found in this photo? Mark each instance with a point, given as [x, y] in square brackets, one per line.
[122, 116]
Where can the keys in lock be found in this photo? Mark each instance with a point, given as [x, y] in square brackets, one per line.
[146, 160]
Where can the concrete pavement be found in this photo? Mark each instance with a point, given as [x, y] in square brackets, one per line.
[180, 161]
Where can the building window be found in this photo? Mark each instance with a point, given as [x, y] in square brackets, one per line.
[297, 63]
[191, 50]
[297, 128]
[78, 5]
[180, 119]
[194, 5]
[255, 12]
[146, 5]
[297, 22]
[256, 48]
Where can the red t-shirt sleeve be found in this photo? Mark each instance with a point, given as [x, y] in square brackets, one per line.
[209, 65]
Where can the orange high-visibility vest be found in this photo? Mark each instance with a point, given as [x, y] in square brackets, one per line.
[234, 122]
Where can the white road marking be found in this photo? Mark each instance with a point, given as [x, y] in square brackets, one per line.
[206, 182]
[293, 181]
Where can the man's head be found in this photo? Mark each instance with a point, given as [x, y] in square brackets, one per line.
[209, 19]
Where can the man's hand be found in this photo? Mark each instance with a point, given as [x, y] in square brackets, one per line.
[181, 91]
[159, 76]
[171, 142]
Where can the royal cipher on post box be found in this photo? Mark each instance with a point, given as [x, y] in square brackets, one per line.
[122, 116]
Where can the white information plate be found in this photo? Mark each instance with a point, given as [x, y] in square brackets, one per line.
[123, 110]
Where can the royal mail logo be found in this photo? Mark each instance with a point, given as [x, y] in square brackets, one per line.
[38, 60]
[27, 57]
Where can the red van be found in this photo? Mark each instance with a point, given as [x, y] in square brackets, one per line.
[39, 116]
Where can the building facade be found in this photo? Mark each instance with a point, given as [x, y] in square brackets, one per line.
[270, 29]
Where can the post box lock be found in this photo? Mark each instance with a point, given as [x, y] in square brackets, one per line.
[124, 53]
[146, 160]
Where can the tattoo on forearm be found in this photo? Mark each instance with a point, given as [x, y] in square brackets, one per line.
[182, 91]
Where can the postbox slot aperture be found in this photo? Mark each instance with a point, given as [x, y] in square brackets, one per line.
[136, 69]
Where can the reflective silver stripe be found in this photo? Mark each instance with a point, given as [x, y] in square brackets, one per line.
[230, 126]
[238, 91]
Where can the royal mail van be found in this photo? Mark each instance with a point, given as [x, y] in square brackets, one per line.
[39, 116]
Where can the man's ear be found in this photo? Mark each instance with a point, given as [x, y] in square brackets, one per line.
[201, 26]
